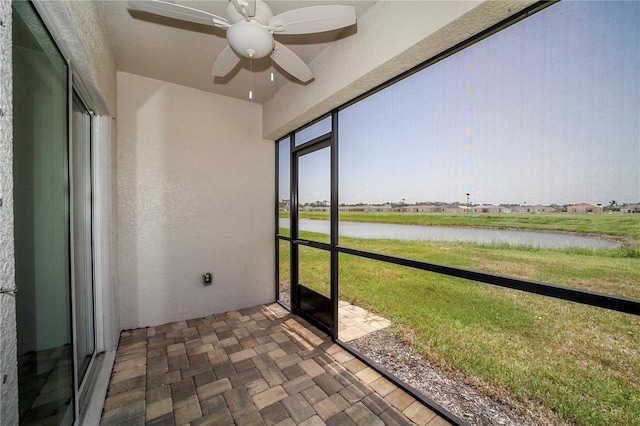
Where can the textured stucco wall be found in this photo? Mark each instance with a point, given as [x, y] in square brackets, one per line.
[82, 32]
[196, 187]
[392, 37]
[98, 57]
[8, 362]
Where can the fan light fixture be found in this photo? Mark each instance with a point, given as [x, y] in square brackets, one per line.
[250, 40]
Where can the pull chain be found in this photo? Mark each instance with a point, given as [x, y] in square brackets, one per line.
[252, 78]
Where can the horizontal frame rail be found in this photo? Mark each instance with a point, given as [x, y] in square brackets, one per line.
[314, 244]
[585, 297]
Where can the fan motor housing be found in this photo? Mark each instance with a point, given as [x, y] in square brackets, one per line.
[263, 13]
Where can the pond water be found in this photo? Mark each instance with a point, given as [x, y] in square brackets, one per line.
[481, 235]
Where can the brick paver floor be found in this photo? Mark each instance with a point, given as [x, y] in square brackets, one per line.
[256, 366]
[355, 322]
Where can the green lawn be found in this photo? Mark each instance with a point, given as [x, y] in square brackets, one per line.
[581, 362]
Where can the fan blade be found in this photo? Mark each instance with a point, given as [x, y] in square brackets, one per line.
[313, 19]
[225, 62]
[250, 5]
[291, 63]
[176, 11]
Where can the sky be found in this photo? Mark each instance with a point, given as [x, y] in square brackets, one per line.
[546, 111]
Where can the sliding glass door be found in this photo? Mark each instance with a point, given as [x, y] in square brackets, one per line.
[42, 228]
[53, 228]
[82, 242]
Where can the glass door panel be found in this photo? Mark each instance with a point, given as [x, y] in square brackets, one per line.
[314, 195]
[42, 243]
[82, 244]
[315, 269]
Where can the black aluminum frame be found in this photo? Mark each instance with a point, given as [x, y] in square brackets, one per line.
[585, 297]
[316, 144]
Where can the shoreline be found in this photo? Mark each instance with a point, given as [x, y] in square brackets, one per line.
[626, 242]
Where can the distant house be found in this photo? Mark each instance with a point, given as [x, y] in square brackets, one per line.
[451, 208]
[425, 208]
[631, 208]
[351, 208]
[532, 209]
[584, 208]
[382, 208]
[421, 208]
[429, 209]
[406, 209]
[367, 208]
[542, 209]
[486, 208]
[417, 209]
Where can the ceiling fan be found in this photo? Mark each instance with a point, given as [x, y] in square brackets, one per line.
[251, 25]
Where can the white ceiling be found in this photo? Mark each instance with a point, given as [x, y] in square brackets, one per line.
[183, 53]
